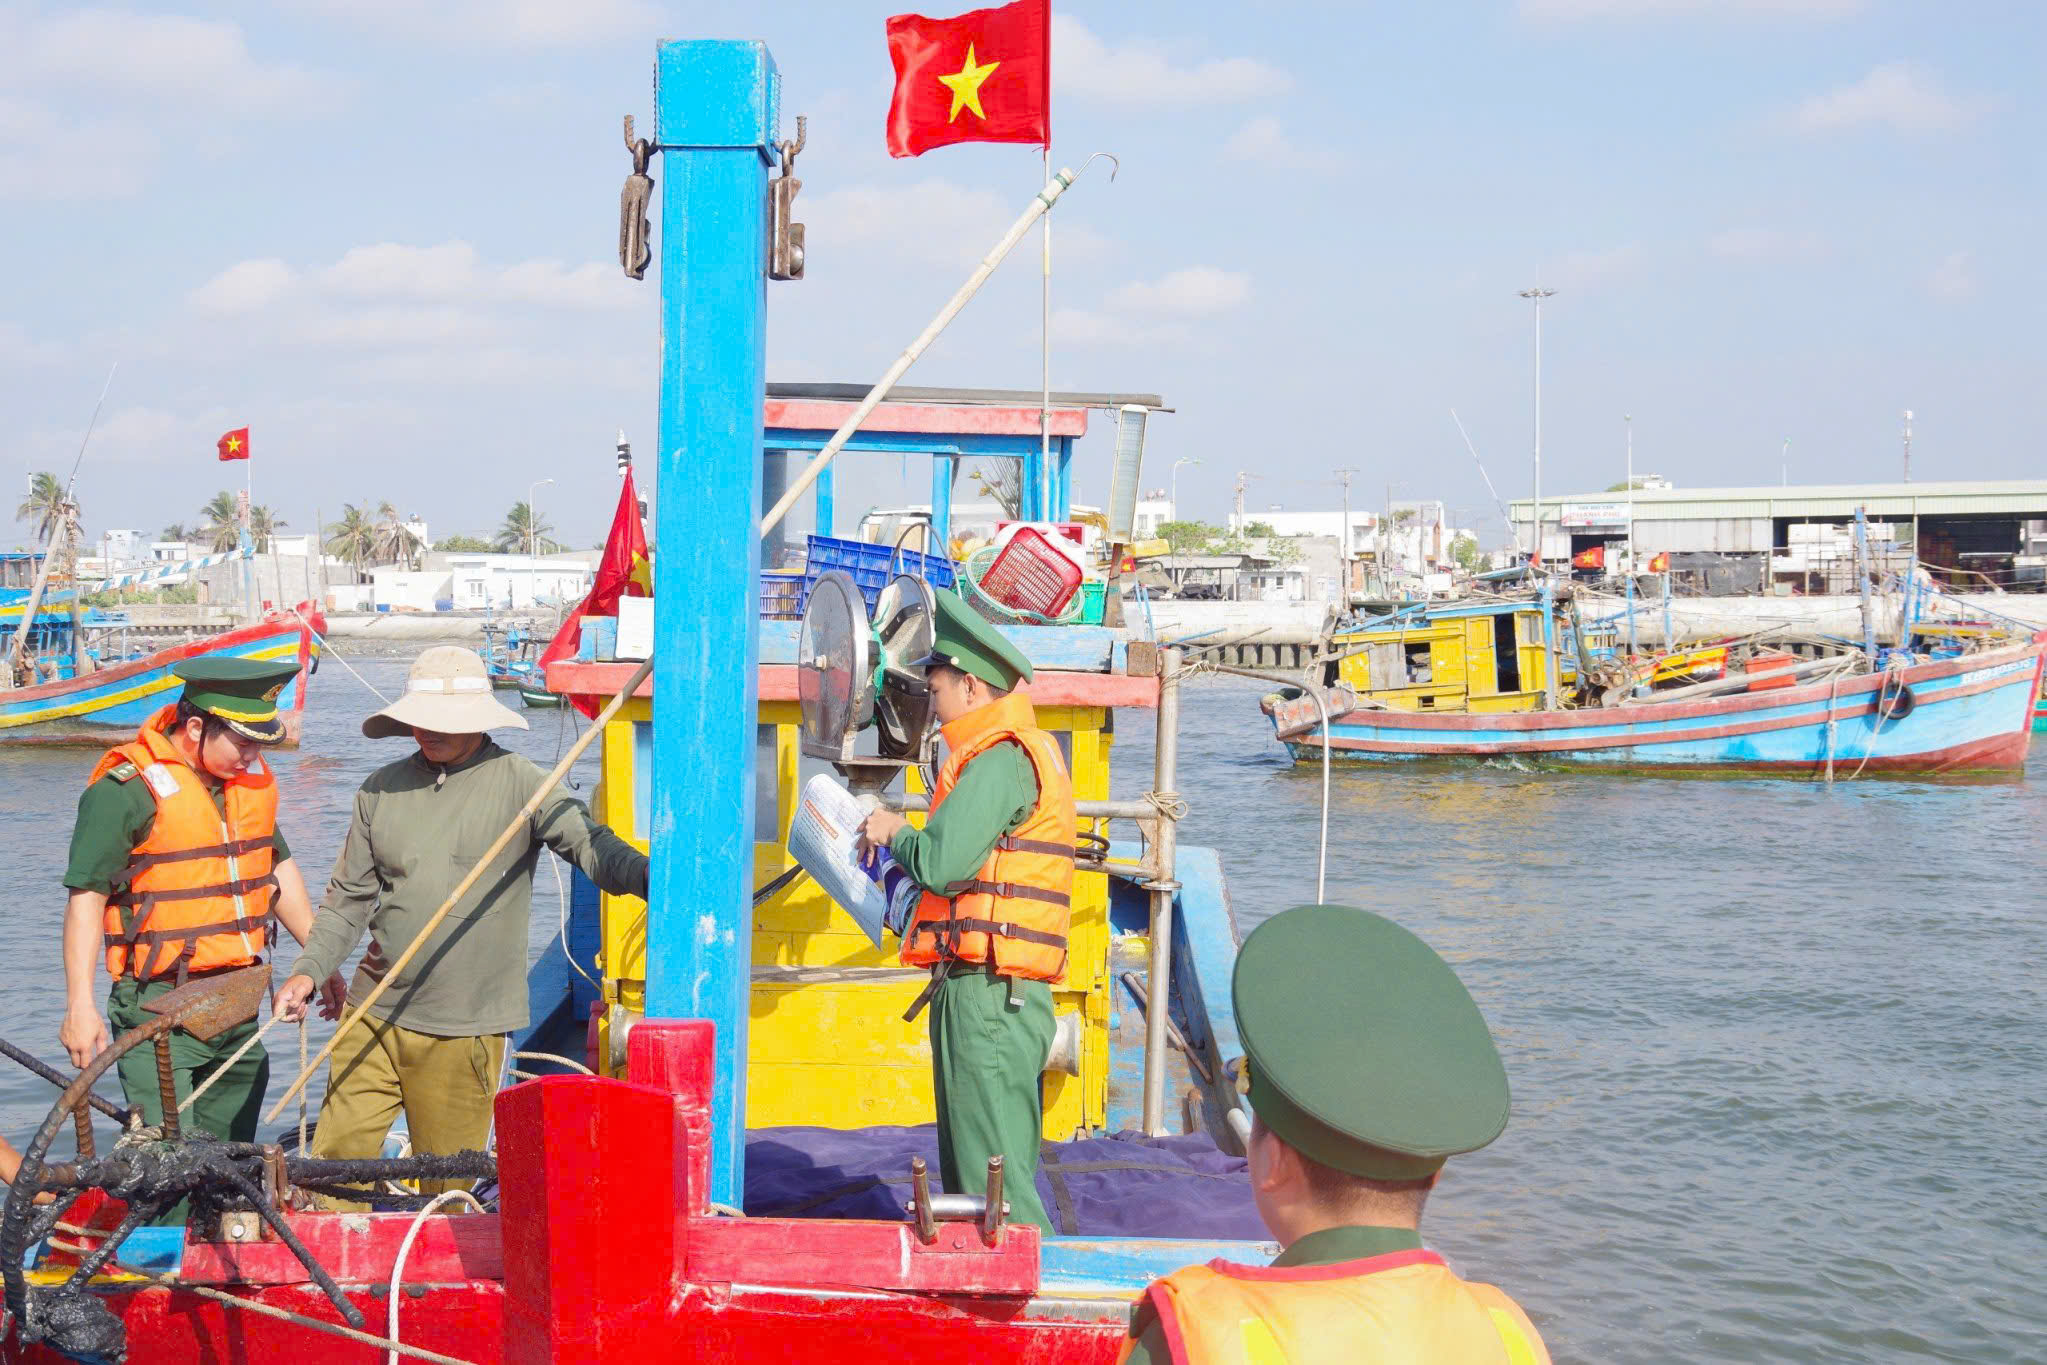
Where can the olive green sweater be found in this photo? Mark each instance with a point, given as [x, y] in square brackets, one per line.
[417, 831]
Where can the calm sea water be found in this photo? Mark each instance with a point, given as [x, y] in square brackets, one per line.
[1779, 1052]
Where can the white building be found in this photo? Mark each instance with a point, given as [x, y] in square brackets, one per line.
[516, 582]
[1154, 510]
[1363, 525]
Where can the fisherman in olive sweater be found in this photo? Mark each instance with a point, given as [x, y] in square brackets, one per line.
[434, 1044]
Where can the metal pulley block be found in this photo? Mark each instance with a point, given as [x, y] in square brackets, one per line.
[634, 234]
[785, 237]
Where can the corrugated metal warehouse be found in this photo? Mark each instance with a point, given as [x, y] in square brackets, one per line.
[1972, 529]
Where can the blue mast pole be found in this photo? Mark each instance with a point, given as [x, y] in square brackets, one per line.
[716, 115]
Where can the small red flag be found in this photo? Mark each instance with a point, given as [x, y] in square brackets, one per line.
[982, 76]
[1594, 558]
[625, 571]
[1660, 563]
[234, 445]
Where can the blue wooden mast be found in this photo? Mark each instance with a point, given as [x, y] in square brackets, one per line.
[716, 120]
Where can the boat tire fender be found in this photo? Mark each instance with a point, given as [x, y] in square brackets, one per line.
[1894, 700]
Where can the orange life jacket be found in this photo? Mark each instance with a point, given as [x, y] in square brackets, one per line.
[1015, 910]
[198, 894]
[1402, 1308]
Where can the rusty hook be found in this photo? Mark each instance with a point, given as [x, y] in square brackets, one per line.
[790, 149]
[640, 147]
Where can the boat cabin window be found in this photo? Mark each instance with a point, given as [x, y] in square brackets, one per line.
[1506, 657]
[1418, 670]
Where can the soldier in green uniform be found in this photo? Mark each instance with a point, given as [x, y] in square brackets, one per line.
[1366, 1065]
[176, 868]
[990, 897]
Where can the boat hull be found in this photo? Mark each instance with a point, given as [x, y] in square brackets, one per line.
[100, 706]
[1970, 715]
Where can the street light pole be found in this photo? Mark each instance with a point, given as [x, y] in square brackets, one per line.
[1344, 541]
[1537, 294]
[1628, 419]
[533, 542]
[1173, 482]
[1908, 445]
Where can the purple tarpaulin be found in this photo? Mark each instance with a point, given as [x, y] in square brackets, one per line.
[1121, 1186]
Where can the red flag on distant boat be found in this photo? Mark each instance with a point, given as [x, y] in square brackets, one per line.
[627, 570]
[234, 445]
[1594, 558]
[982, 76]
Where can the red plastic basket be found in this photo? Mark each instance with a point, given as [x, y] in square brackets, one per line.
[1031, 574]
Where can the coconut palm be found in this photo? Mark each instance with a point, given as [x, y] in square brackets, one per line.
[223, 527]
[524, 532]
[353, 538]
[177, 530]
[396, 542]
[44, 506]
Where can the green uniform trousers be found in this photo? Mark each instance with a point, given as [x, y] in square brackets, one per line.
[444, 1086]
[231, 1106]
[230, 1109]
[987, 1067]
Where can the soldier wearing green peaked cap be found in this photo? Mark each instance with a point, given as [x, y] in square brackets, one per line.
[982, 896]
[1366, 1065]
[241, 693]
[177, 871]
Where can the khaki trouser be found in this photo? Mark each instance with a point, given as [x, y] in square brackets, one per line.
[444, 1086]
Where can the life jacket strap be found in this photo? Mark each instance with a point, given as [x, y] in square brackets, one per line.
[949, 930]
[142, 862]
[195, 893]
[1010, 890]
[1011, 844]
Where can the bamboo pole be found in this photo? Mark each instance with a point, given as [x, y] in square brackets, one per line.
[526, 811]
[1040, 205]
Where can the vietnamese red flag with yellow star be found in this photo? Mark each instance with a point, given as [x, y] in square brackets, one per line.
[626, 570]
[982, 76]
[234, 445]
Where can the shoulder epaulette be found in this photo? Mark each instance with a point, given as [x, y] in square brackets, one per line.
[123, 772]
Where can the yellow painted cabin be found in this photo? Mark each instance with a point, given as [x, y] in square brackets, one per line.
[827, 1042]
[1490, 657]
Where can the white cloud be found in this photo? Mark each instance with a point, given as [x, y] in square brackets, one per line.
[1139, 71]
[162, 60]
[1763, 244]
[1660, 9]
[1264, 141]
[1898, 95]
[1954, 277]
[19, 349]
[247, 287]
[149, 80]
[931, 220]
[1155, 310]
[1196, 292]
[497, 23]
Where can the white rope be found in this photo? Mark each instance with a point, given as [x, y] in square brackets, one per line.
[555, 1057]
[405, 1248]
[338, 657]
[229, 1064]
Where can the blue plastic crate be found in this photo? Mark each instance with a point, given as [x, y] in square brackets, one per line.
[781, 595]
[872, 566]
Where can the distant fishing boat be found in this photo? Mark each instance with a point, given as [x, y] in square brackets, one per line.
[538, 698]
[1473, 681]
[97, 705]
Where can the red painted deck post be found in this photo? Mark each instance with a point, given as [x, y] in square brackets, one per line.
[677, 1056]
[594, 1206]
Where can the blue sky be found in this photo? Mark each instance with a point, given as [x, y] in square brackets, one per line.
[380, 233]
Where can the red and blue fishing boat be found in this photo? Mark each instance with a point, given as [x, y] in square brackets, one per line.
[711, 1153]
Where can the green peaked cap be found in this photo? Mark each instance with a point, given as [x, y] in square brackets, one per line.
[1363, 1049]
[241, 692]
[963, 639]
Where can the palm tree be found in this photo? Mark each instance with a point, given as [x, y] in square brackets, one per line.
[177, 530]
[395, 539]
[353, 538]
[44, 506]
[525, 533]
[223, 528]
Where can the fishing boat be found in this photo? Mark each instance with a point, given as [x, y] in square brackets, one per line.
[508, 657]
[722, 1153]
[1475, 681]
[112, 696]
[538, 698]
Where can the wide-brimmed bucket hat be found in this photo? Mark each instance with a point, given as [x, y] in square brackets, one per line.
[447, 691]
